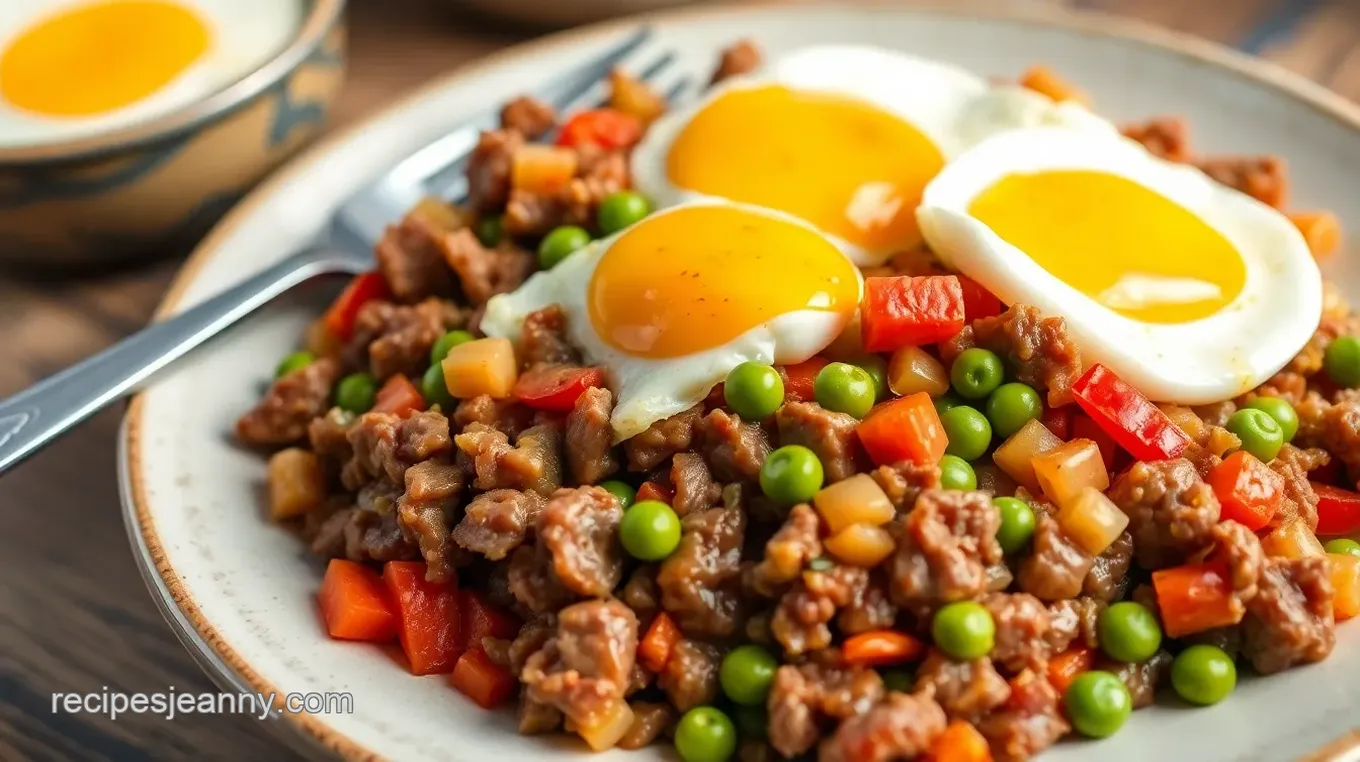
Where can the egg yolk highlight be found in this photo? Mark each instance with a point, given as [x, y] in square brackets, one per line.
[1120, 243]
[95, 58]
[696, 277]
[843, 164]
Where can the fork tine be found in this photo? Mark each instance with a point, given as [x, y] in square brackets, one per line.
[596, 96]
[566, 90]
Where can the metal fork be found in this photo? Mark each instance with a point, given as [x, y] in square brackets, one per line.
[34, 417]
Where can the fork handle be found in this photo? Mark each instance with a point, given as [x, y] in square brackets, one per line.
[33, 418]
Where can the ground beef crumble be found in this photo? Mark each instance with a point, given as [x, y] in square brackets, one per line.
[944, 546]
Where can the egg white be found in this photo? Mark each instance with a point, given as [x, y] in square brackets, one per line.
[952, 107]
[1207, 360]
[650, 389]
[244, 35]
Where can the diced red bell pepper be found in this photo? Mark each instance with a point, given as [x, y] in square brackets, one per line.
[365, 288]
[1082, 427]
[354, 603]
[1125, 414]
[486, 683]
[1058, 420]
[904, 429]
[1338, 510]
[555, 387]
[428, 617]
[1195, 597]
[482, 619]
[1065, 667]
[1247, 489]
[905, 311]
[399, 397]
[654, 650]
[799, 379]
[978, 302]
[603, 127]
[650, 490]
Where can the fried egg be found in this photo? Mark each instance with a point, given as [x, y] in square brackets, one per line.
[674, 302]
[1186, 288]
[844, 137]
[74, 68]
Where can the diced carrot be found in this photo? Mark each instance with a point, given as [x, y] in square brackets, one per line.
[798, 379]
[1064, 668]
[487, 684]
[428, 617]
[1346, 584]
[1195, 597]
[902, 311]
[650, 490]
[354, 603]
[479, 618]
[904, 429]
[399, 397]
[1082, 426]
[1247, 489]
[654, 650]
[1045, 81]
[542, 169]
[960, 742]
[881, 648]
[366, 287]
[1321, 229]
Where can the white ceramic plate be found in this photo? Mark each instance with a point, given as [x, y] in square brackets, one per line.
[240, 591]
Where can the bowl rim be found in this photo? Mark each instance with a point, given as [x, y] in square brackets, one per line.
[322, 16]
[217, 657]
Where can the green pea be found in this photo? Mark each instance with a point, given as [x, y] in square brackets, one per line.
[968, 430]
[1011, 406]
[1260, 434]
[1017, 524]
[356, 392]
[964, 630]
[844, 388]
[898, 680]
[976, 372]
[559, 244]
[1342, 546]
[956, 473]
[294, 361]
[790, 475]
[490, 230]
[1097, 703]
[1128, 632]
[752, 722]
[705, 734]
[754, 390]
[650, 530]
[946, 403]
[1203, 674]
[1283, 413]
[622, 490]
[447, 342]
[434, 389]
[1342, 361]
[746, 674]
[877, 368]
[620, 210]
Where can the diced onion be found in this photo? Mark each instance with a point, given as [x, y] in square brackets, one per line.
[296, 485]
[484, 366]
[1015, 456]
[1292, 539]
[912, 369]
[857, 500]
[1092, 520]
[861, 545]
[1068, 469]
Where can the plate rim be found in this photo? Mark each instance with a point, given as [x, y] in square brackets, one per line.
[219, 659]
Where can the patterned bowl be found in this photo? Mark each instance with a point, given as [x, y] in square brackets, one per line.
[157, 186]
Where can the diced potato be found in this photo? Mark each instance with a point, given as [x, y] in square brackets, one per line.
[606, 733]
[992, 479]
[1015, 455]
[1067, 469]
[1092, 520]
[1292, 539]
[861, 545]
[440, 214]
[631, 96]
[484, 366]
[1184, 418]
[848, 345]
[912, 369]
[542, 169]
[857, 500]
[296, 484]
[1346, 584]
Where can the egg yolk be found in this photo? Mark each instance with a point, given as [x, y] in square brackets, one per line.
[1120, 243]
[696, 277]
[844, 165]
[95, 58]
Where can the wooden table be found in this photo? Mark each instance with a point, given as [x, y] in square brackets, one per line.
[74, 615]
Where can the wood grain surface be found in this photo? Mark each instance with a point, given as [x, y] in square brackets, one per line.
[74, 614]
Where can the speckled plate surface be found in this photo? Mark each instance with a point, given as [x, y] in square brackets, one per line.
[239, 591]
